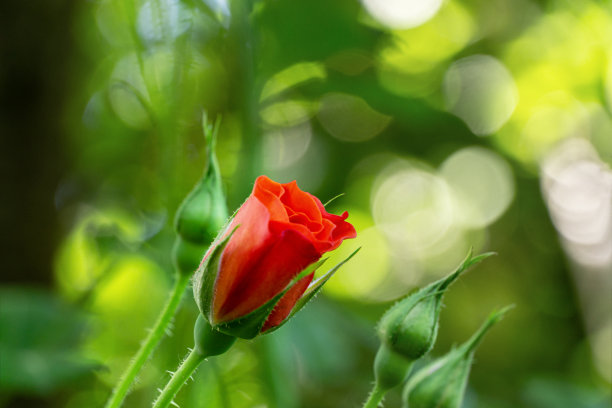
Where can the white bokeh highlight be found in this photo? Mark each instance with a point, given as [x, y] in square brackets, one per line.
[481, 91]
[401, 14]
[482, 183]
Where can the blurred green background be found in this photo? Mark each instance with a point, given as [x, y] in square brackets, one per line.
[446, 123]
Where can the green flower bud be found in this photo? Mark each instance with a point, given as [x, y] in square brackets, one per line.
[204, 211]
[409, 328]
[442, 383]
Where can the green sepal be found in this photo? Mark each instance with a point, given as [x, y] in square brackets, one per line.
[205, 277]
[312, 290]
[249, 326]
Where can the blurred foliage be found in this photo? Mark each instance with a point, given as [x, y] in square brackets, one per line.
[39, 343]
[459, 123]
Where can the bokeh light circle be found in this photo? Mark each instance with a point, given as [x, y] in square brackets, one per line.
[402, 13]
[413, 206]
[481, 91]
[350, 118]
[482, 183]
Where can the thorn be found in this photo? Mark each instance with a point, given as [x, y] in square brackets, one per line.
[174, 404]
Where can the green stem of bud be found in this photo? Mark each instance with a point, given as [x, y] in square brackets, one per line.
[187, 367]
[146, 349]
[375, 397]
[390, 370]
[208, 342]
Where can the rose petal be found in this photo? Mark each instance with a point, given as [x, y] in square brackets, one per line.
[246, 246]
[300, 201]
[286, 303]
[269, 192]
[286, 256]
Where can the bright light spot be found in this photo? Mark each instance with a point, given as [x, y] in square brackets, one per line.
[578, 191]
[219, 7]
[350, 62]
[159, 75]
[128, 93]
[349, 118]
[402, 13]
[551, 123]
[409, 62]
[413, 206]
[481, 91]
[80, 261]
[288, 113]
[360, 277]
[577, 188]
[483, 185]
[290, 77]
[602, 350]
[601, 132]
[113, 23]
[125, 304]
[118, 294]
[421, 49]
[559, 63]
[160, 20]
[609, 81]
[285, 146]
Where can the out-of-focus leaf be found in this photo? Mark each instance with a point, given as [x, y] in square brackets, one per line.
[39, 338]
[548, 393]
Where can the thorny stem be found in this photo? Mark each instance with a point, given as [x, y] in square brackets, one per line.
[146, 349]
[187, 367]
[375, 397]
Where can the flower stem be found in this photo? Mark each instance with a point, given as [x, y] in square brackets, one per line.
[187, 367]
[375, 397]
[147, 347]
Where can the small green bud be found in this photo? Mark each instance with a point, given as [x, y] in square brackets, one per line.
[409, 328]
[390, 368]
[186, 255]
[204, 211]
[442, 383]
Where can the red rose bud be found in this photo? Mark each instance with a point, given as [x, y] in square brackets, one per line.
[259, 271]
[202, 213]
[409, 328]
[442, 383]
